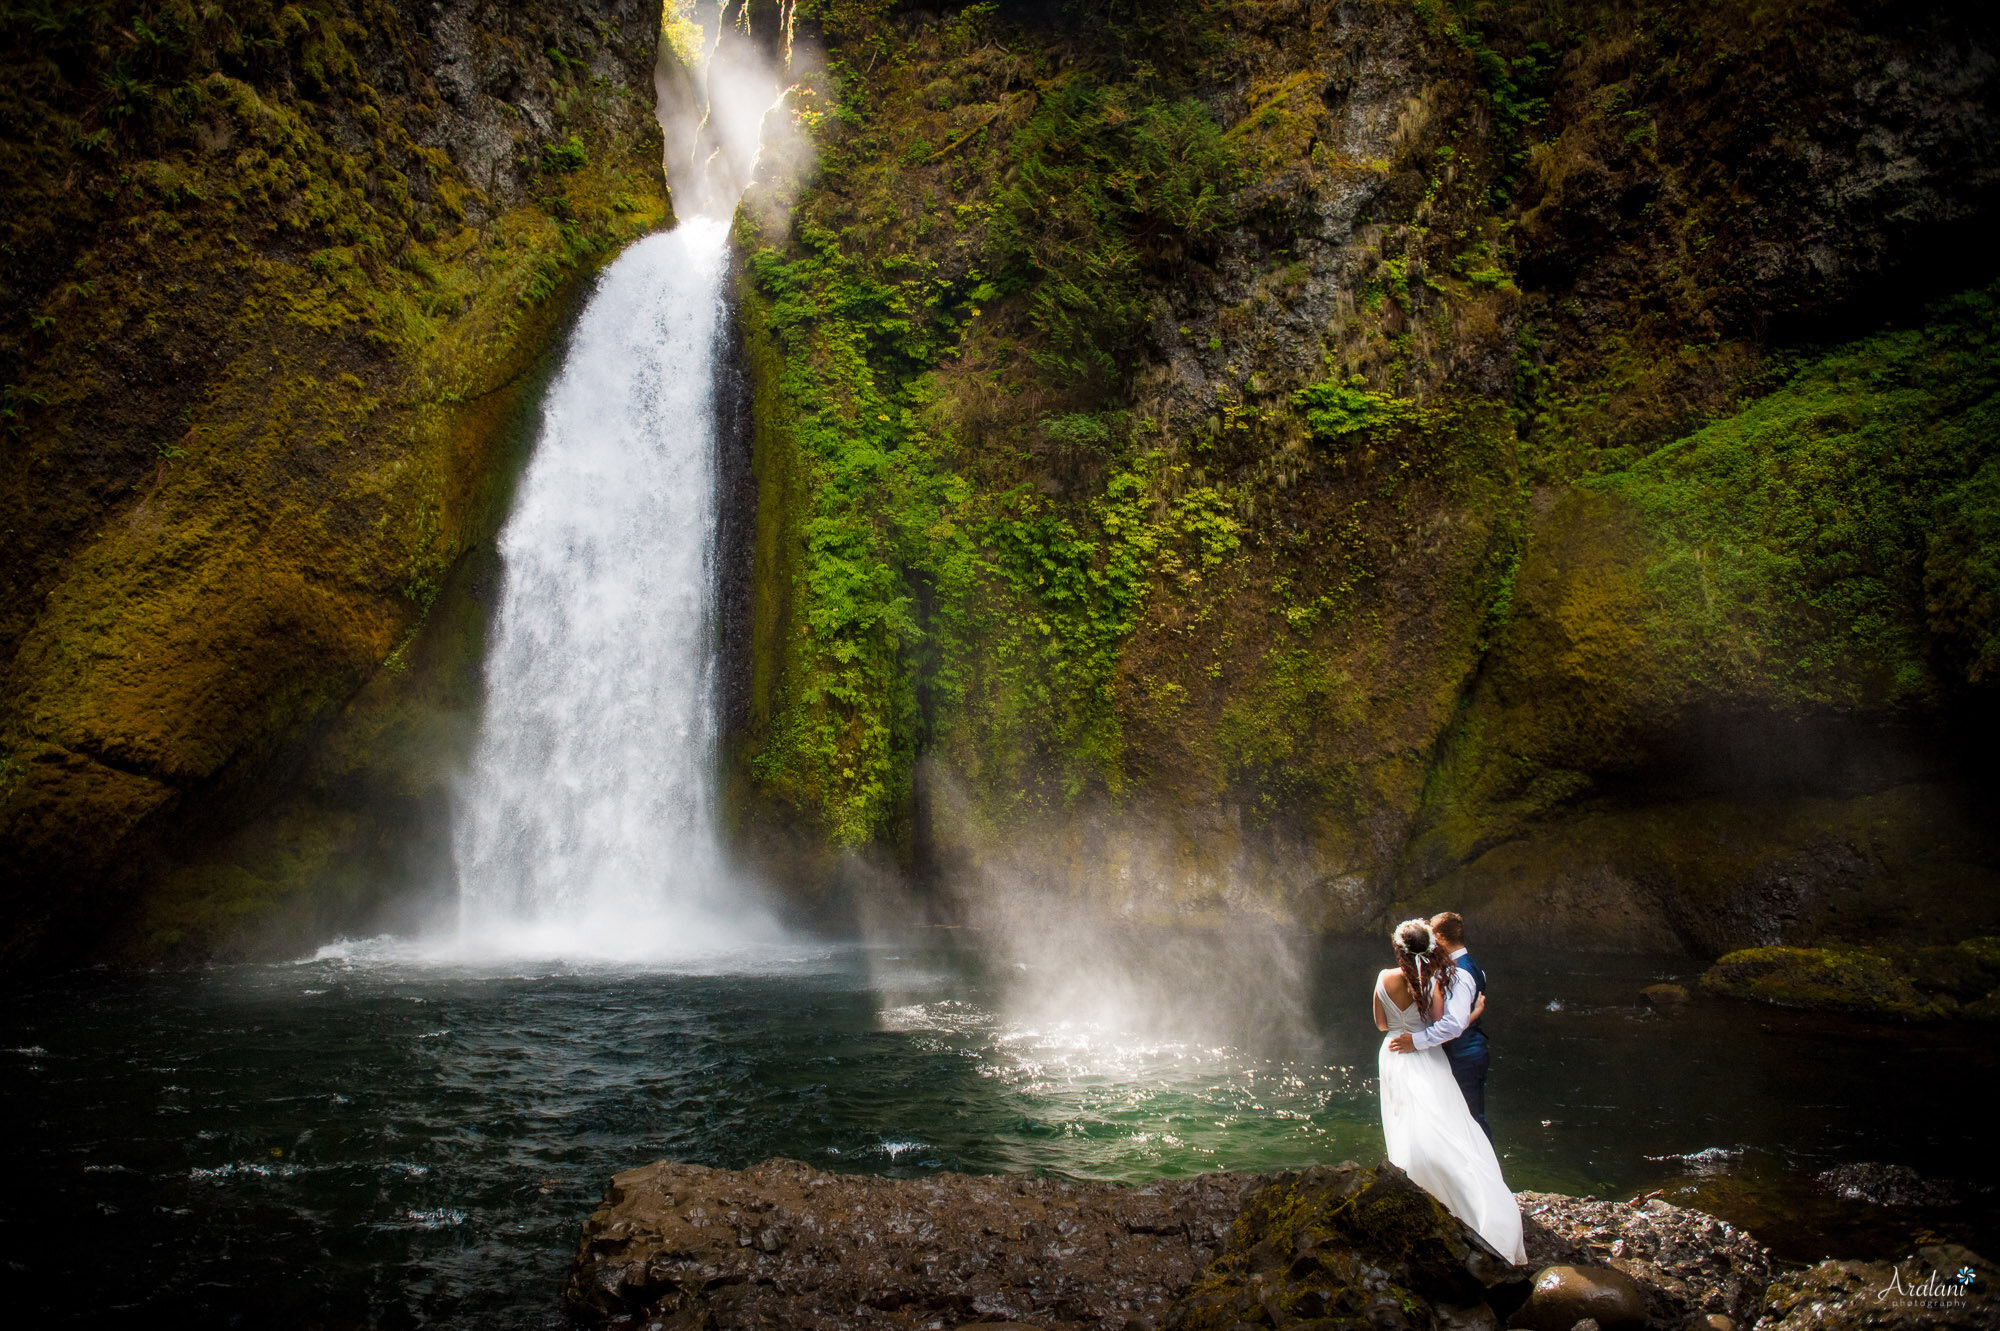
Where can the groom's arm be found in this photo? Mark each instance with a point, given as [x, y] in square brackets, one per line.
[1457, 1016]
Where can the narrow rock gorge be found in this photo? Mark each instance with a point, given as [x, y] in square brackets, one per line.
[1259, 459]
[905, 589]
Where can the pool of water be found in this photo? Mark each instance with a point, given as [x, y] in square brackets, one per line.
[367, 1141]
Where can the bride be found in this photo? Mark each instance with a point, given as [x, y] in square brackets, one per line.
[1430, 1133]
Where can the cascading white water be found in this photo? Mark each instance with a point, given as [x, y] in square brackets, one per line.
[585, 825]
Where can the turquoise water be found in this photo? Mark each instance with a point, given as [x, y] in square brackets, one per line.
[347, 1143]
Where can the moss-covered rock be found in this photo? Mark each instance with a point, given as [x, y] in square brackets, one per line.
[1212, 459]
[1709, 872]
[1915, 984]
[1247, 459]
[266, 308]
[1352, 1246]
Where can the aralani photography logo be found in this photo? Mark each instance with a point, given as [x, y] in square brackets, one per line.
[1937, 1290]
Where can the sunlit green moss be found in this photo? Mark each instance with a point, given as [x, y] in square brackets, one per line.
[216, 198]
[1916, 984]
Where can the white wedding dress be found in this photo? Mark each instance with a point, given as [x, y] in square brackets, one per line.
[1433, 1139]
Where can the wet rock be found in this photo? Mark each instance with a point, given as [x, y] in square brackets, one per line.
[1943, 1286]
[783, 1244]
[1664, 995]
[1686, 1263]
[1912, 984]
[1479, 1317]
[1886, 1185]
[1348, 1245]
[1564, 1297]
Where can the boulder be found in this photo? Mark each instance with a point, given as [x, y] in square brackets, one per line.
[1665, 995]
[1345, 1244]
[1910, 984]
[1563, 1296]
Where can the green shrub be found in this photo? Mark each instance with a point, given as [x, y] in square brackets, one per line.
[564, 157]
[1337, 408]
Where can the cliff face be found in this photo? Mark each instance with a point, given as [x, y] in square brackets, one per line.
[1315, 461]
[274, 282]
[1221, 458]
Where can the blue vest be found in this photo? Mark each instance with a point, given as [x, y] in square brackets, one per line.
[1474, 1036]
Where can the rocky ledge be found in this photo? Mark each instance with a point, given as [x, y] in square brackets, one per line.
[678, 1246]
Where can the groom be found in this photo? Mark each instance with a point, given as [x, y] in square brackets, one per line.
[1463, 1039]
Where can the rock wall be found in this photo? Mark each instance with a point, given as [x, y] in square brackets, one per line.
[1252, 458]
[275, 284]
[1316, 461]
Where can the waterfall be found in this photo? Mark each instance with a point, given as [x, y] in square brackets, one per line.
[585, 825]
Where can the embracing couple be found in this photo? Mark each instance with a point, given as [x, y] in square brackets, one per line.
[1433, 1077]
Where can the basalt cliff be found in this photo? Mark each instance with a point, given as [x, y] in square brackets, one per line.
[1319, 462]
[274, 286]
[1193, 461]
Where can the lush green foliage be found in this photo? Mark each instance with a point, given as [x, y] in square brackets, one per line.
[1335, 408]
[1008, 610]
[1106, 181]
[845, 743]
[1516, 88]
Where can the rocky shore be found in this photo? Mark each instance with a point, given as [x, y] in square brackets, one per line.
[679, 1246]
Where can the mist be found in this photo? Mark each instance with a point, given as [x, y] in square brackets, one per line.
[725, 80]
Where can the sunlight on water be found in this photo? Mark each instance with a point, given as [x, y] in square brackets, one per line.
[433, 1128]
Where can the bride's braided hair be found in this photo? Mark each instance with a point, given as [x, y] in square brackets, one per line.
[1423, 959]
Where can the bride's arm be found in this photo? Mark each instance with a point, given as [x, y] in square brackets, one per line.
[1381, 1017]
[1437, 1004]
[1478, 1010]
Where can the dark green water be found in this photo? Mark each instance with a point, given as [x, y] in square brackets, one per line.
[335, 1144]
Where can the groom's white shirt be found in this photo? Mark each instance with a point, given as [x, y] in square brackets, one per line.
[1457, 1012]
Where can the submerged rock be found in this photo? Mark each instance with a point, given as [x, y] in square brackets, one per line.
[1917, 984]
[783, 1244]
[1886, 1185]
[1664, 995]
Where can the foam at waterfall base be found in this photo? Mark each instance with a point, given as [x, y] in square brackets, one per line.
[667, 941]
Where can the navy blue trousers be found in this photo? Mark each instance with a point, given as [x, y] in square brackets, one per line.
[1468, 1069]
